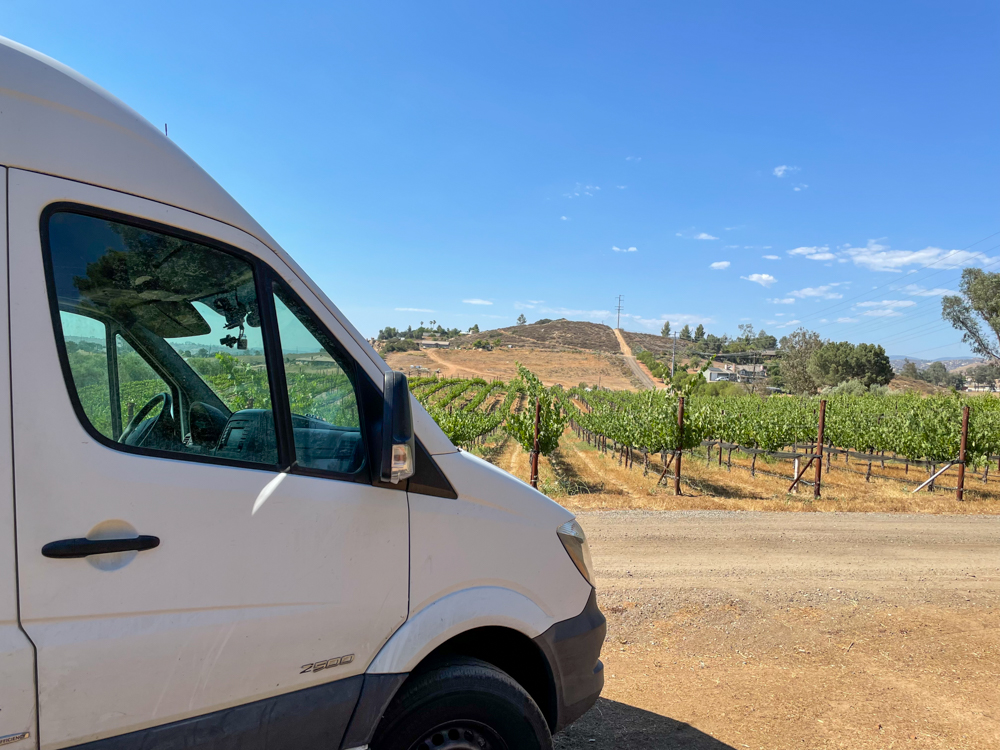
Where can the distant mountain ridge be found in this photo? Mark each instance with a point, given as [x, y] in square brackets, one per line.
[951, 363]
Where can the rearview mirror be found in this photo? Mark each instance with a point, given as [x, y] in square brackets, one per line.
[397, 429]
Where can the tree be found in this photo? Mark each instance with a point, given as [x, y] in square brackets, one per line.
[871, 365]
[936, 373]
[985, 375]
[764, 340]
[699, 332]
[665, 331]
[834, 363]
[686, 333]
[746, 332]
[475, 328]
[910, 370]
[713, 343]
[521, 320]
[978, 304]
[796, 350]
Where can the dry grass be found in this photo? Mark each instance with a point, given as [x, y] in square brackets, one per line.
[566, 368]
[582, 478]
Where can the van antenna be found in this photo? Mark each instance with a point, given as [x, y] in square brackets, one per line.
[165, 130]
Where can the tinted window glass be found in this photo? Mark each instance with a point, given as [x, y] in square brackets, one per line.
[187, 361]
[86, 351]
[321, 392]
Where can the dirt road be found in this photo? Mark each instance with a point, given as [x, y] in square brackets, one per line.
[777, 630]
[641, 374]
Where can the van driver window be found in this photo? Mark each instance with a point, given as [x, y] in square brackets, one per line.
[163, 339]
[321, 392]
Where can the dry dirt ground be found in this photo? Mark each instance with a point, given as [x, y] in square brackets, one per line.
[566, 368]
[795, 630]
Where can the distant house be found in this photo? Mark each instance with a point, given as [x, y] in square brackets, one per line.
[736, 373]
[434, 344]
[750, 373]
[717, 374]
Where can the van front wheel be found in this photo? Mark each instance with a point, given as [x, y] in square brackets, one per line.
[462, 704]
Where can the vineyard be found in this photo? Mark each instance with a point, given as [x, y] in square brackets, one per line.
[906, 438]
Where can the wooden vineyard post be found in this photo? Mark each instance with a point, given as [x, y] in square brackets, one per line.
[960, 491]
[534, 450]
[819, 448]
[680, 445]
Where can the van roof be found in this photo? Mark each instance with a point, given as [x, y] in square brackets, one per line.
[57, 122]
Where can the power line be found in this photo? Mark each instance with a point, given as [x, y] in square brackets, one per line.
[619, 308]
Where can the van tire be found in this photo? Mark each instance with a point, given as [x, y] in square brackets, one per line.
[462, 703]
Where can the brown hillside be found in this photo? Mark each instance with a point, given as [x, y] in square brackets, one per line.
[899, 383]
[557, 335]
[658, 345]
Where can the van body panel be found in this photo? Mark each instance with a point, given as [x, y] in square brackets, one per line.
[17, 657]
[57, 122]
[246, 587]
[311, 719]
[499, 532]
[477, 607]
[489, 558]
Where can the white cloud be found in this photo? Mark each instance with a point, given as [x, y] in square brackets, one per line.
[883, 314]
[887, 308]
[772, 257]
[563, 218]
[764, 279]
[623, 249]
[621, 187]
[783, 170]
[739, 226]
[565, 312]
[633, 158]
[847, 320]
[476, 301]
[782, 301]
[412, 309]
[878, 257]
[814, 253]
[779, 315]
[820, 292]
[581, 189]
[530, 304]
[730, 247]
[720, 265]
[918, 291]
[800, 187]
[691, 234]
[789, 323]
[888, 303]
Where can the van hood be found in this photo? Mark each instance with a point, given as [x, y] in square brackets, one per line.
[480, 482]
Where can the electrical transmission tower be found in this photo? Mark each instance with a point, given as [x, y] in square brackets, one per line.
[619, 309]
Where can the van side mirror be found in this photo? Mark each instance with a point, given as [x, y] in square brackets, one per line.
[397, 429]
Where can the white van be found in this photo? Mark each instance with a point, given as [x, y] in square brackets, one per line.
[224, 522]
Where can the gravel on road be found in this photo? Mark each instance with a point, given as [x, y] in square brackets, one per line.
[781, 630]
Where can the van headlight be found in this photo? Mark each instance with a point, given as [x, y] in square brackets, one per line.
[575, 541]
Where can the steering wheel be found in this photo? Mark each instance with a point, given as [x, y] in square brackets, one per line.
[160, 398]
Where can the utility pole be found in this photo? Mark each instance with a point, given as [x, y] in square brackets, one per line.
[619, 308]
[673, 356]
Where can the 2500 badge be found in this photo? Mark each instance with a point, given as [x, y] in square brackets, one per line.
[319, 666]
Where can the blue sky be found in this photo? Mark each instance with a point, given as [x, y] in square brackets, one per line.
[832, 164]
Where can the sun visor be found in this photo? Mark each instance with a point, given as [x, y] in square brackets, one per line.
[171, 319]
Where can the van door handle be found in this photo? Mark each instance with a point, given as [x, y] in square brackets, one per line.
[83, 547]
